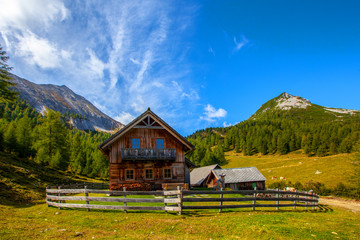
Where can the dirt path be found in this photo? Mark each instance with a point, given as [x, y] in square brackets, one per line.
[352, 205]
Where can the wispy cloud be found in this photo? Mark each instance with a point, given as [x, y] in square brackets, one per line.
[124, 56]
[211, 114]
[124, 117]
[40, 51]
[211, 50]
[241, 44]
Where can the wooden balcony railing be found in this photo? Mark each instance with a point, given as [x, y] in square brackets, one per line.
[148, 154]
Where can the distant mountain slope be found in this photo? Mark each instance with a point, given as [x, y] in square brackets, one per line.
[81, 113]
[300, 108]
[282, 125]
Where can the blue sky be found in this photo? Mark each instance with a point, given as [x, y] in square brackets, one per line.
[195, 63]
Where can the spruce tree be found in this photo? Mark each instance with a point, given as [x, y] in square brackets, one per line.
[6, 94]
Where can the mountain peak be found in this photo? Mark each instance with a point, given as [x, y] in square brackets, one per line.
[287, 101]
[81, 113]
[285, 95]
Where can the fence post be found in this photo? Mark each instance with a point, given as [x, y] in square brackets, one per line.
[306, 200]
[312, 197]
[179, 199]
[125, 203]
[59, 195]
[253, 208]
[295, 196]
[277, 202]
[165, 204]
[221, 197]
[86, 196]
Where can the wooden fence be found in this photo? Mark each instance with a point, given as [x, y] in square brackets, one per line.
[178, 200]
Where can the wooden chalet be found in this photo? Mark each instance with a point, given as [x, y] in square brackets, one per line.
[147, 154]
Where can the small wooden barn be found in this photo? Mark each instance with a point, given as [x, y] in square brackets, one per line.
[147, 154]
[238, 178]
[198, 176]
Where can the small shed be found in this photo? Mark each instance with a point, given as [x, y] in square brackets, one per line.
[199, 175]
[238, 178]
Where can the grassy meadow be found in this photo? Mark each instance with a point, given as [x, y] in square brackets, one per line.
[24, 214]
[298, 167]
[41, 222]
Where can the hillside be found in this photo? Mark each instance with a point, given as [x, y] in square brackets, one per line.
[283, 125]
[297, 167]
[80, 113]
[24, 181]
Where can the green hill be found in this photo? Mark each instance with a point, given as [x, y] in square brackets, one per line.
[24, 181]
[282, 125]
[297, 167]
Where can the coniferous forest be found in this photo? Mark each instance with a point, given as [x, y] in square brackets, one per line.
[279, 132]
[49, 141]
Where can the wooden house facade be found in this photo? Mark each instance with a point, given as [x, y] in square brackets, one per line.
[147, 154]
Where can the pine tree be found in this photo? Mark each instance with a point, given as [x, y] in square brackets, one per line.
[10, 138]
[56, 160]
[5, 80]
[23, 136]
[42, 156]
[51, 136]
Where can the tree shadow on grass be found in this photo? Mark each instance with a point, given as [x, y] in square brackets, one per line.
[325, 208]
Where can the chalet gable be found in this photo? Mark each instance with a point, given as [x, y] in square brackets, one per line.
[147, 120]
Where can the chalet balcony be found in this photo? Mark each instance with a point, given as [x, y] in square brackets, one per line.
[148, 154]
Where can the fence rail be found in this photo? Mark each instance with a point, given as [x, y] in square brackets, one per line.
[178, 200]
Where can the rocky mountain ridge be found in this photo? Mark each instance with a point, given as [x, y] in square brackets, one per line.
[299, 105]
[80, 113]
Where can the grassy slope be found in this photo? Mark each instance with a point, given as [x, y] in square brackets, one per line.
[27, 221]
[24, 181]
[298, 167]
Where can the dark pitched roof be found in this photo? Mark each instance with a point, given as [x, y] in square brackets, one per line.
[189, 163]
[198, 175]
[129, 126]
[235, 175]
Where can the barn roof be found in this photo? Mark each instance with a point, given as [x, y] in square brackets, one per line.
[236, 175]
[147, 113]
[198, 175]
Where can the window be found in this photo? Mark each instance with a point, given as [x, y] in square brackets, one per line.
[148, 174]
[167, 173]
[159, 143]
[136, 143]
[129, 174]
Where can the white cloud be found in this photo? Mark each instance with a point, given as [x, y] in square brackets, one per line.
[125, 56]
[22, 14]
[211, 113]
[241, 44]
[39, 51]
[225, 124]
[95, 65]
[124, 117]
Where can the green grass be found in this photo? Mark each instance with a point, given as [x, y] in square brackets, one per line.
[24, 181]
[298, 167]
[42, 222]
